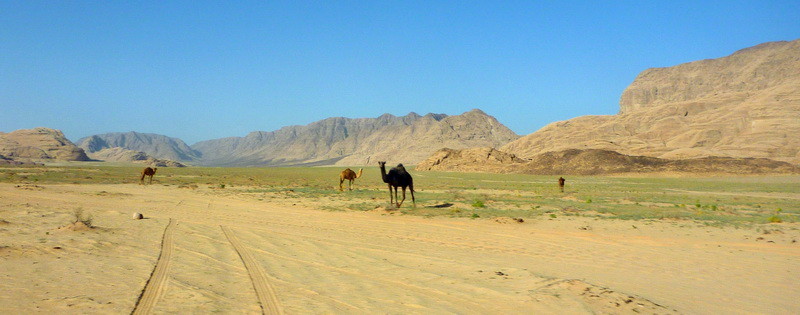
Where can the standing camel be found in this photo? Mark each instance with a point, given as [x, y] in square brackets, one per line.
[398, 177]
[349, 175]
[147, 172]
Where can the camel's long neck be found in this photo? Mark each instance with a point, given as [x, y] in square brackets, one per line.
[360, 171]
[383, 173]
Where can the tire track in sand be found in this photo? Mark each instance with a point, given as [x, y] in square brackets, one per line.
[158, 279]
[266, 294]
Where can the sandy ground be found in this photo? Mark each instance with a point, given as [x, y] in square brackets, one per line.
[201, 251]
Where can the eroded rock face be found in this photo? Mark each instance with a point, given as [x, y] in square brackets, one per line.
[735, 78]
[40, 143]
[743, 105]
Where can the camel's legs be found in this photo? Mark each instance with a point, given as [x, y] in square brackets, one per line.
[351, 184]
[404, 197]
[391, 201]
[411, 188]
[341, 180]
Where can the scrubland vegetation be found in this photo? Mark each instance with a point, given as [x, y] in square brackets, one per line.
[727, 200]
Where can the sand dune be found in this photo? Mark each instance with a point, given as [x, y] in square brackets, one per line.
[233, 253]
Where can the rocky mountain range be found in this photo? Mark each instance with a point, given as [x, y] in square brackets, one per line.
[743, 105]
[361, 141]
[746, 105]
[155, 145]
[344, 141]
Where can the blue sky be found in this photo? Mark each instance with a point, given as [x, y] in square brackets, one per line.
[200, 70]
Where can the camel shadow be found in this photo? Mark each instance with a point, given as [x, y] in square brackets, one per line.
[444, 205]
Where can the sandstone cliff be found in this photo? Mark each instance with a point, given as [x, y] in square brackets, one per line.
[39, 144]
[743, 105]
[157, 146]
[362, 141]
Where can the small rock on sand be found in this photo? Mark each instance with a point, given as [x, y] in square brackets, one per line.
[137, 216]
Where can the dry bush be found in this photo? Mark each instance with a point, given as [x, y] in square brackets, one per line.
[78, 217]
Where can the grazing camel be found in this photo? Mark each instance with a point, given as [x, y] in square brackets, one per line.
[349, 175]
[398, 177]
[561, 181]
[147, 172]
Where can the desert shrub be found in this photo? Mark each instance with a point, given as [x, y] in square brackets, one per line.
[78, 217]
[775, 218]
[479, 204]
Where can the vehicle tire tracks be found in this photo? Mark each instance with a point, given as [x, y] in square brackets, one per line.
[158, 278]
[266, 294]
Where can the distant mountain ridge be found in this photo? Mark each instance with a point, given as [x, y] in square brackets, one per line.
[357, 141]
[155, 145]
[746, 105]
[743, 105]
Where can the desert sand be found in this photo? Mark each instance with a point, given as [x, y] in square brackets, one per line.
[236, 252]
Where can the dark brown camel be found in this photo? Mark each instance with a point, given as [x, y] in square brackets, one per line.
[348, 174]
[561, 181]
[398, 177]
[147, 172]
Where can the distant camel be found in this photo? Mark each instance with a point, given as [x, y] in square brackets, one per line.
[398, 177]
[561, 181]
[148, 172]
[349, 175]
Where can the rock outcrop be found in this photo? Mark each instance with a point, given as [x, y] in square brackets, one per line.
[117, 154]
[9, 161]
[39, 144]
[484, 160]
[362, 141]
[594, 162]
[743, 105]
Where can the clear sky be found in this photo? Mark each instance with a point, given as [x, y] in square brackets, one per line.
[200, 70]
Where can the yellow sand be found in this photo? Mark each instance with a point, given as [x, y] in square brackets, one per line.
[316, 261]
